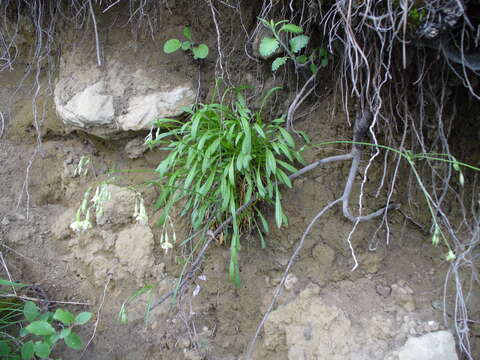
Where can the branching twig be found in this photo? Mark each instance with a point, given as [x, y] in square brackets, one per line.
[98, 317]
[97, 40]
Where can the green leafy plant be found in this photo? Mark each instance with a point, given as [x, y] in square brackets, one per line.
[27, 333]
[221, 158]
[315, 59]
[199, 51]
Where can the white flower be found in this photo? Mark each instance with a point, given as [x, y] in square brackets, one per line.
[166, 245]
[140, 214]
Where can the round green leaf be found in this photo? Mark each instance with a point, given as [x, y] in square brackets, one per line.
[73, 341]
[30, 311]
[64, 333]
[52, 339]
[42, 349]
[278, 62]
[83, 318]
[200, 51]
[298, 43]
[40, 328]
[186, 45]
[268, 46]
[171, 46]
[64, 316]
[27, 350]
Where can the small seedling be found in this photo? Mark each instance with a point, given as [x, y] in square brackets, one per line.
[199, 51]
[47, 329]
[317, 58]
[29, 333]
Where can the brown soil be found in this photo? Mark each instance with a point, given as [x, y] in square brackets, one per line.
[397, 290]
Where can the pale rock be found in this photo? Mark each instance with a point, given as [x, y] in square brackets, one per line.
[438, 345]
[123, 96]
[142, 110]
[88, 108]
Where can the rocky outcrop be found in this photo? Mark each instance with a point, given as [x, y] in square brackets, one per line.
[351, 321]
[438, 345]
[119, 96]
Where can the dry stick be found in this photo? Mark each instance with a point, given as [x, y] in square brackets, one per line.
[299, 99]
[97, 40]
[28, 298]
[219, 43]
[2, 123]
[8, 272]
[98, 317]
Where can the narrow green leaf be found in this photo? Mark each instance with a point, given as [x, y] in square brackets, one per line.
[40, 328]
[287, 166]
[278, 208]
[171, 46]
[64, 316]
[190, 177]
[284, 178]
[270, 163]
[260, 187]
[247, 141]
[208, 184]
[268, 46]
[239, 162]
[313, 68]
[298, 43]
[259, 131]
[30, 311]
[292, 28]
[278, 62]
[231, 172]
[10, 283]
[288, 138]
[266, 228]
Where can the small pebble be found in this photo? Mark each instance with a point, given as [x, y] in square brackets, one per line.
[383, 290]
